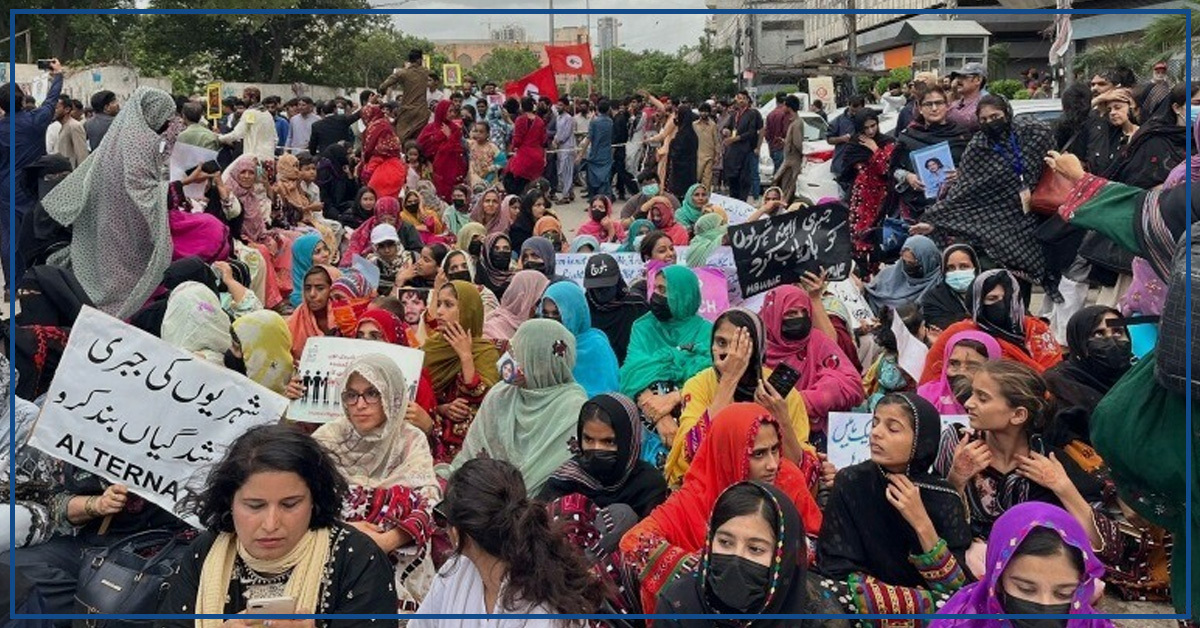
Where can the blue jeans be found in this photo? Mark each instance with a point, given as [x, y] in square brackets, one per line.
[777, 159]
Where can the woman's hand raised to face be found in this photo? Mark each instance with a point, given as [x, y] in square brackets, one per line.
[1065, 164]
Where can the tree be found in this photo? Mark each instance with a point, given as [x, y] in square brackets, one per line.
[1133, 55]
[1169, 33]
[504, 65]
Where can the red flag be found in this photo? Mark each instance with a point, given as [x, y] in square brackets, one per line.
[573, 59]
[538, 83]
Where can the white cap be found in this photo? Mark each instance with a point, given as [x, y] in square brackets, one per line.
[384, 233]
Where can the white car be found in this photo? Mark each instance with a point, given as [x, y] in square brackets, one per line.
[816, 179]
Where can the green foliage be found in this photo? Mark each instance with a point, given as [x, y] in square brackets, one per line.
[1022, 94]
[863, 84]
[896, 75]
[504, 65]
[698, 72]
[998, 60]
[1006, 87]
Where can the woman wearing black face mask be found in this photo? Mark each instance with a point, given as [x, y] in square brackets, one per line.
[494, 269]
[1100, 354]
[755, 562]
[458, 213]
[456, 266]
[538, 254]
[608, 469]
[613, 305]
[1039, 562]
[985, 206]
[997, 311]
[906, 281]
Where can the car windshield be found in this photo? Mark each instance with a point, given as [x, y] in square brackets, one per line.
[814, 129]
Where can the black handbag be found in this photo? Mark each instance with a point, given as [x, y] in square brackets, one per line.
[119, 580]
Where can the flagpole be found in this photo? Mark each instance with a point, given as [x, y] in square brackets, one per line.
[551, 22]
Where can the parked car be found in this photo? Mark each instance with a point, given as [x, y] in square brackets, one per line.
[816, 179]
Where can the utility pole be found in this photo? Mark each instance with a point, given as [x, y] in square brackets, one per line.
[587, 6]
[851, 35]
[551, 40]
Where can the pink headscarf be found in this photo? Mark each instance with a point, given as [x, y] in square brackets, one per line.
[939, 392]
[593, 228]
[498, 223]
[254, 227]
[828, 381]
[516, 305]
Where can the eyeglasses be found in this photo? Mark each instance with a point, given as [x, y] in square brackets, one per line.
[933, 104]
[351, 397]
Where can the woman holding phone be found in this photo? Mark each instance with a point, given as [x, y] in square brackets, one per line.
[274, 542]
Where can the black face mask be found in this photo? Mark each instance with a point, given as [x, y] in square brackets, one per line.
[601, 296]
[914, 270]
[996, 130]
[1017, 606]
[460, 203]
[739, 584]
[997, 314]
[600, 464]
[412, 207]
[501, 261]
[659, 307]
[599, 215]
[475, 248]
[235, 364]
[462, 275]
[960, 385]
[796, 328]
[1111, 355]
[539, 266]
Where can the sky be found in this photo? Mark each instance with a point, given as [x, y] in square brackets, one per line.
[637, 32]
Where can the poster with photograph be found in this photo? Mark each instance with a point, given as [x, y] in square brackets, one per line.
[931, 164]
[323, 368]
[452, 75]
[415, 302]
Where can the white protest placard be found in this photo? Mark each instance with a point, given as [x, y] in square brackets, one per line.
[573, 265]
[737, 211]
[184, 159]
[850, 436]
[850, 296]
[135, 410]
[323, 367]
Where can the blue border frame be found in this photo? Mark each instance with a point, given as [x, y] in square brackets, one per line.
[966, 11]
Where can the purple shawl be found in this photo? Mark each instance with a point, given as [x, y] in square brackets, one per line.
[939, 392]
[1007, 534]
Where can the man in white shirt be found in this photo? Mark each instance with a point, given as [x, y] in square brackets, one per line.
[256, 128]
[302, 125]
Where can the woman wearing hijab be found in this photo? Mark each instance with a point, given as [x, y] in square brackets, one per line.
[1100, 354]
[895, 533]
[518, 304]
[387, 463]
[530, 423]
[828, 381]
[633, 237]
[307, 251]
[195, 322]
[736, 376]
[470, 240]
[297, 208]
[919, 269]
[604, 475]
[983, 207]
[528, 148]
[462, 364]
[765, 576]
[314, 316]
[387, 211]
[965, 352]
[666, 348]
[338, 189]
[867, 175]
[425, 220]
[493, 268]
[150, 317]
[743, 445]
[491, 210]
[710, 234]
[539, 254]
[600, 223]
[584, 244]
[275, 245]
[50, 295]
[614, 308]
[1044, 533]
[931, 126]
[382, 168]
[116, 207]
[263, 344]
[682, 155]
[458, 266]
[998, 312]
[663, 217]
[526, 219]
[949, 300]
[596, 367]
[457, 213]
[381, 325]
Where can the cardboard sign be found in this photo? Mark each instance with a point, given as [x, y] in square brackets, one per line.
[184, 159]
[737, 211]
[850, 436]
[573, 265]
[780, 249]
[135, 410]
[323, 370]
